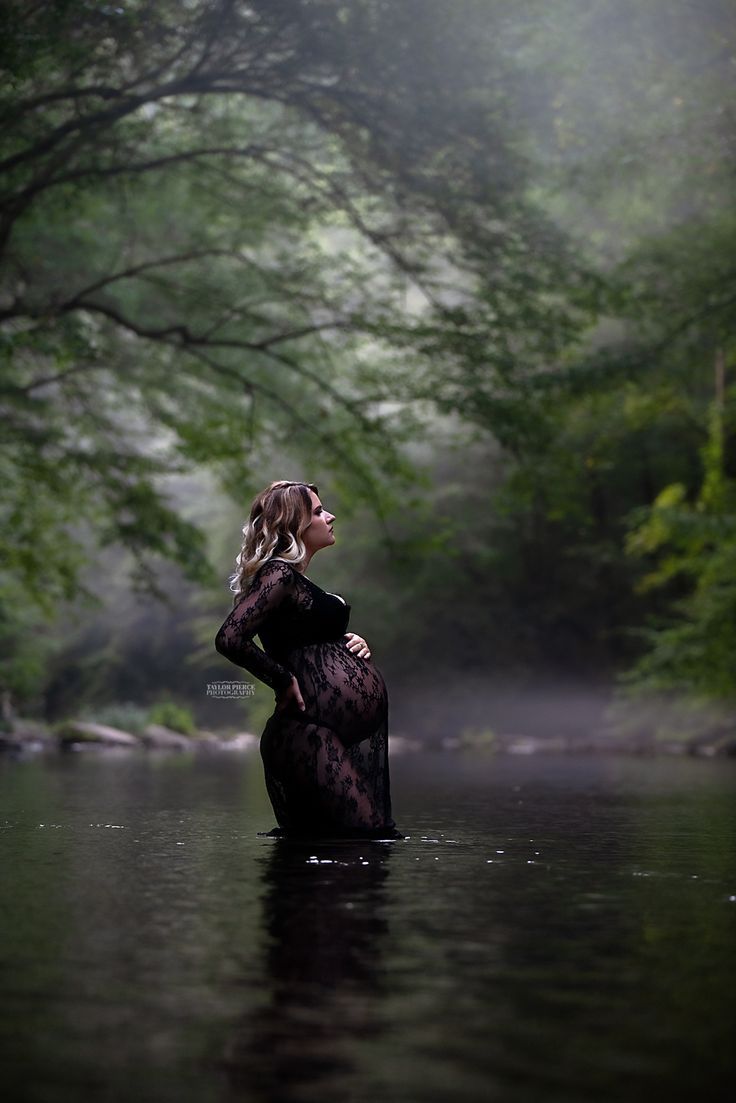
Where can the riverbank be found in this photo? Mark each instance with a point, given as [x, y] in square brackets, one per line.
[28, 737]
[33, 737]
[706, 745]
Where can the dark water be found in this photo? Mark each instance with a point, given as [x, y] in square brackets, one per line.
[554, 929]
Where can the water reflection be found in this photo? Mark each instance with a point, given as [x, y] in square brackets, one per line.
[324, 930]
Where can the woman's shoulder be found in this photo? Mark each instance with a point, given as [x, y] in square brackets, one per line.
[274, 569]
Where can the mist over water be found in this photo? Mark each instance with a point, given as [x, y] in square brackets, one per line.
[457, 703]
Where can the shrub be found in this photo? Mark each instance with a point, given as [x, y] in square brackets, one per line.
[170, 715]
[124, 715]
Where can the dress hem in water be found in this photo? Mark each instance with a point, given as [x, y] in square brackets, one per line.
[377, 834]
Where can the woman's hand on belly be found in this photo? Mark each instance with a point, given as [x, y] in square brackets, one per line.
[357, 645]
[291, 693]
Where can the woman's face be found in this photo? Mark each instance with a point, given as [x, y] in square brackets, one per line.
[319, 533]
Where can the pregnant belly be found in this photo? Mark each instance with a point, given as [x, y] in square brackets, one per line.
[340, 691]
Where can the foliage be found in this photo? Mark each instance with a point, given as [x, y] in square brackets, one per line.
[240, 214]
[469, 266]
[635, 154]
[124, 715]
[26, 647]
[693, 648]
[234, 233]
[171, 715]
[478, 739]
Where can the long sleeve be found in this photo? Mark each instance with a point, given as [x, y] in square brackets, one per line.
[273, 586]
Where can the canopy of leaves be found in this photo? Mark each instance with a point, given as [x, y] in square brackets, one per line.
[302, 232]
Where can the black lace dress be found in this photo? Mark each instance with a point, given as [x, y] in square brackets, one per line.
[326, 767]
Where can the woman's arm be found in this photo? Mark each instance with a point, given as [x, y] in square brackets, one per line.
[273, 586]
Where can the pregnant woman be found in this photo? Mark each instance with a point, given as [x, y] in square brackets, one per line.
[325, 748]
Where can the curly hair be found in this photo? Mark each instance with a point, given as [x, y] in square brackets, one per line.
[278, 517]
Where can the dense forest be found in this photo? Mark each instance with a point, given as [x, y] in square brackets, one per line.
[466, 265]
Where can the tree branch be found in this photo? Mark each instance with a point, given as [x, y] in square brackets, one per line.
[309, 428]
[135, 270]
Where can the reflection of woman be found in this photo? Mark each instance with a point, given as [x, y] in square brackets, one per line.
[325, 984]
[325, 748]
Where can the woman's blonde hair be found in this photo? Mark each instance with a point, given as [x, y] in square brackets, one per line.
[278, 517]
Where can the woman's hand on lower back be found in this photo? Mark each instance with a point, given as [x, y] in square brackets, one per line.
[357, 645]
[291, 693]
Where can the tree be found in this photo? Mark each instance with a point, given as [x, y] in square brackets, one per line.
[211, 218]
[633, 143]
[693, 542]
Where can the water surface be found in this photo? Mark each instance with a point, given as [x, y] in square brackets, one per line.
[554, 928]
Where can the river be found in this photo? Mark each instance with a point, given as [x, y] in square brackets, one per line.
[553, 928]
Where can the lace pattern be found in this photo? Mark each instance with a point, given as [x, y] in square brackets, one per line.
[326, 768]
